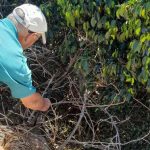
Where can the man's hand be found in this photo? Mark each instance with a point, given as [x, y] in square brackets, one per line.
[36, 102]
[46, 105]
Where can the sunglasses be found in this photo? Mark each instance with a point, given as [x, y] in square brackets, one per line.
[30, 32]
[37, 35]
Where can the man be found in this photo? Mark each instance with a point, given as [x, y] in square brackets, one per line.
[20, 30]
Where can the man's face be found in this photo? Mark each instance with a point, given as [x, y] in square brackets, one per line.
[28, 40]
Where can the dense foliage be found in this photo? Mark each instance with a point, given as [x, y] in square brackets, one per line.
[115, 38]
[104, 45]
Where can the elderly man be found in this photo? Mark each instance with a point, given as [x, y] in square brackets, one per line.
[20, 30]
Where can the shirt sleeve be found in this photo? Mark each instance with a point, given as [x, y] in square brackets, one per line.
[19, 81]
[23, 86]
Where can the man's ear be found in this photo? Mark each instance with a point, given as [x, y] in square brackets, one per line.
[29, 36]
[34, 36]
[37, 35]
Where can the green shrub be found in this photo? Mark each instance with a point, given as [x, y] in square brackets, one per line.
[115, 38]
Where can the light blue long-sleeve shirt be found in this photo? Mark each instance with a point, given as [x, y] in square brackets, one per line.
[14, 70]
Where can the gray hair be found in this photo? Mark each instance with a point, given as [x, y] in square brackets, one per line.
[20, 28]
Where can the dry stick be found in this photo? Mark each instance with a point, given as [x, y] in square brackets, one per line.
[79, 120]
[41, 64]
[91, 126]
[55, 129]
[136, 140]
[72, 61]
[5, 117]
[141, 103]
[88, 105]
[146, 141]
[14, 108]
[4, 114]
[91, 145]
[33, 113]
[123, 144]
[117, 132]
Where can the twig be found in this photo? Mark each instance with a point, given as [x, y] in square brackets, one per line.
[141, 103]
[79, 120]
[30, 119]
[118, 145]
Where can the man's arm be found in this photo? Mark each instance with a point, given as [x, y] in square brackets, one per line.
[36, 102]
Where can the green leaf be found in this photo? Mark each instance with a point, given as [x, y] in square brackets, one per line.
[130, 90]
[107, 25]
[138, 31]
[136, 46]
[93, 22]
[75, 1]
[77, 13]
[122, 12]
[148, 86]
[143, 76]
[146, 62]
[118, 13]
[107, 35]
[143, 13]
[70, 19]
[85, 65]
[113, 69]
[99, 25]
[61, 2]
[122, 37]
[96, 38]
[130, 80]
[86, 26]
[100, 38]
[138, 22]
[107, 9]
[126, 34]
[128, 65]
[115, 54]
[144, 37]
[91, 33]
[73, 49]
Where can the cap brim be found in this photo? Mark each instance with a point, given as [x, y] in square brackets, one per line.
[43, 38]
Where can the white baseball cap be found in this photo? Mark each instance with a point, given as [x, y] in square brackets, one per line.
[34, 19]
